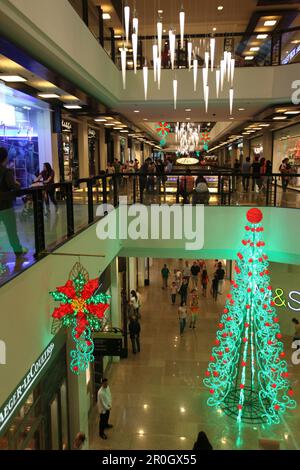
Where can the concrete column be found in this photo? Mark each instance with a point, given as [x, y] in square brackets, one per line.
[102, 150]
[117, 146]
[246, 148]
[132, 274]
[55, 162]
[83, 150]
[116, 307]
[268, 145]
[141, 272]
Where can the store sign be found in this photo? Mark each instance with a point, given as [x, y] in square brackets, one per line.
[229, 44]
[66, 125]
[11, 405]
[108, 346]
[291, 55]
[292, 301]
[258, 149]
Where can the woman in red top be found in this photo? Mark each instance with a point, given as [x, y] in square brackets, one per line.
[47, 177]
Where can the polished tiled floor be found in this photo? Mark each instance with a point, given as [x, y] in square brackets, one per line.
[159, 401]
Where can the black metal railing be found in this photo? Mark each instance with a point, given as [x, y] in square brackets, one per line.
[78, 202]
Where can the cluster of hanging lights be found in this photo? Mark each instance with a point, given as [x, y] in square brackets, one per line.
[223, 72]
[187, 137]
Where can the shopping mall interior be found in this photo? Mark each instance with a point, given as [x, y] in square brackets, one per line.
[149, 230]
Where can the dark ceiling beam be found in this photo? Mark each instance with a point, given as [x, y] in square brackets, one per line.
[117, 4]
[265, 3]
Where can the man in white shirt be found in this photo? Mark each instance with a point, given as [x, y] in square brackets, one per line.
[104, 402]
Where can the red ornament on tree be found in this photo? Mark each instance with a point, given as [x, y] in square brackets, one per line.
[254, 216]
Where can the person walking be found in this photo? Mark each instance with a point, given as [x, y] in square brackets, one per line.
[256, 174]
[104, 403]
[47, 176]
[195, 270]
[134, 333]
[220, 273]
[284, 170]
[204, 282]
[165, 276]
[79, 441]
[183, 292]
[214, 287]
[173, 292]
[194, 307]
[236, 173]
[7, 212]
[182, 315]
[187, 272]
[135, 301]
[246, 170]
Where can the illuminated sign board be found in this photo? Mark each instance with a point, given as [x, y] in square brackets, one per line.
[11, 405]
[291, 301]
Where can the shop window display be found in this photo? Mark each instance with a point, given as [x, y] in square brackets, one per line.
[25, 133]
[287, 145]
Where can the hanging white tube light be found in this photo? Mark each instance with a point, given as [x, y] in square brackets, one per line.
[223, 71]
[159, 36]
[231, 94]
[175, 88]
[212, 52]
[158, 64]
[190, 51]
[123, 64]
[206, 59]
[127, 19]
[145, 76]
[228, 65]
[155, 54]
[206, 96]
[195, 67]
[182, 20]
[232, 68]
[172, 43]
[135, 25]
[218, 73]
[205, 78]
[134, 39]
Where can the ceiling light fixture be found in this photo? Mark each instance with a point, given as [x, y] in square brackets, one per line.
[254, 49]
[261, 36]
[175, 89]
[220, 7]
[249, 57]
[292, 112]
[72, 106]
[106, 16]
[279, 118]
[136, 111]
[188, 110]
[127, 19]
[182, 20]
[270, 22]
[100, 120]
[12, 78]
[48, 95]
[241, 109]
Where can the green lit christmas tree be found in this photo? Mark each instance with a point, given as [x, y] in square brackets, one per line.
[247, 375]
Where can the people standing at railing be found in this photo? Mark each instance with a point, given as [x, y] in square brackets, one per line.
[151, 177]
[236, 173]
[7, 212]
[284, 169]
[110, 171]
[143, 177]
[256, 174]
[47, 177]
[246, 170]
[201, 193]
[186, 186]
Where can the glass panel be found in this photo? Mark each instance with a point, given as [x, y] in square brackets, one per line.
[54, 425]
[55, 218]
[290, 47]
[80, 200]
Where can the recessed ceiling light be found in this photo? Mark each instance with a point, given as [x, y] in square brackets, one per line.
[254, 49]
[118, 128]
[270, 22]
[108, 118]
[106, 16]
[188, 119]
[100, 120]
[124, 131]
[72, 106]
[220, 7]
[48, 95]
[249, 57]
[231, 118]
[129, 62]
[214, 28]
[261, 36]
[241, 109]
[279, 118]
[281, 110]
[12, 78]
[292, 112]
[296, 41]
[188, 110]
[109, 125]
[118, 36]
[160, 12]
[28, 108]
[265, 125]
[136, 111]
[145, 119]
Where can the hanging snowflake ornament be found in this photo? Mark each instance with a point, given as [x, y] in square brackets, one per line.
[205, 137]
[163, 129]
[82, 308]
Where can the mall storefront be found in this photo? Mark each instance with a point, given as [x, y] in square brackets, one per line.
[25, 131]
[286, 144]
[35, 416]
